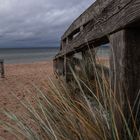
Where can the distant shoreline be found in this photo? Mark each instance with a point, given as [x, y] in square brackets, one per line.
[29, 48]
[27, 62]
[27, 55]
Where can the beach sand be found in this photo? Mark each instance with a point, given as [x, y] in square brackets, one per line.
[18, 80]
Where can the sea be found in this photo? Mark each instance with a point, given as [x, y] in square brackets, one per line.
[27, 55]
[30, 55]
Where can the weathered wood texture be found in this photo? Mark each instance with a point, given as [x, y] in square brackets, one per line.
[117, 22]
[100, 20]
[58, 66]
[125, 69]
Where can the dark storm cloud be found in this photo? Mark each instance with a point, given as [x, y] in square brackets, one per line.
[37, 22]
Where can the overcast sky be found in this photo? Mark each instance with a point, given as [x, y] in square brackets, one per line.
[37, 23]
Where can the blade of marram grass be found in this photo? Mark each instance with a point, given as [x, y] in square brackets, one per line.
[21, 128]
[90, 108]
[36, 116]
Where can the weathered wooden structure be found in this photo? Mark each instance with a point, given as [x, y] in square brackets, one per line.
[107, 21]
[2, 68]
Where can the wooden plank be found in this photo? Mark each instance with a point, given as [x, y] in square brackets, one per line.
[99, 12]
[125, 68]
[108, 22]
[59, 66]
[65, 67]
[71, 50]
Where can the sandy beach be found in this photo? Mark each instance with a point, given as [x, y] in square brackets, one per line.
[18, 79]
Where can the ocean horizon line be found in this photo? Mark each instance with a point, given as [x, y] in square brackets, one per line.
[29, 47]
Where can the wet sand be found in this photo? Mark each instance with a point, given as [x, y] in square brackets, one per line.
[18, 79]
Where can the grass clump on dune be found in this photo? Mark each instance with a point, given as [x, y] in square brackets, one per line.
[85, 109]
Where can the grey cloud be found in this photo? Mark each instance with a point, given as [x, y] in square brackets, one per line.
[37, 22]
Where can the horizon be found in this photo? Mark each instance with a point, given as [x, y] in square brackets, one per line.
[29, 47]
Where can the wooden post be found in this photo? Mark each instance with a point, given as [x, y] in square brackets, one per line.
[60, 67]
[65, 67]
[125, 69]
[67, 64]
[55, 61]
[2, 68]
[88, 60]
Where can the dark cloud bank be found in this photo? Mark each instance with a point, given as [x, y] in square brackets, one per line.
[37, 23]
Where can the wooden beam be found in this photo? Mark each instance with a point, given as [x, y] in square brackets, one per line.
[111, 16]
[99, 11]
[69, 50]
[125, 69]
[65, 67]
[59, 66]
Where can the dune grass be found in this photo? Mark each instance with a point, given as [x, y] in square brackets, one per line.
[85, 109]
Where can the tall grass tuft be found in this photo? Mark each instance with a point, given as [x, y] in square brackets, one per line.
[83, 109]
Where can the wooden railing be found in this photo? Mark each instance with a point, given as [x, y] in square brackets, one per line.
[116, 22]
[102, 19]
